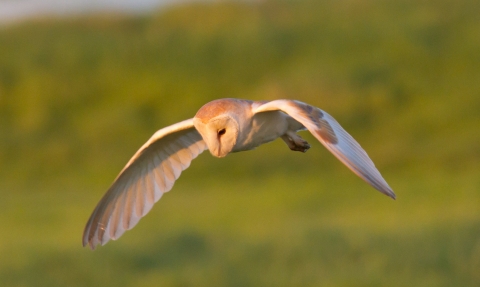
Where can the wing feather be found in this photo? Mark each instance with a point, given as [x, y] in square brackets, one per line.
[329, 132]
[151, 172]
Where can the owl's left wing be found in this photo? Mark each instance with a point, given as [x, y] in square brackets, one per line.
[329, 132]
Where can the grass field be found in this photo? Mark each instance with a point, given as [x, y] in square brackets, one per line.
[79, 96]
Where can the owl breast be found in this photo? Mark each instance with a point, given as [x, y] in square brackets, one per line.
[262, 128]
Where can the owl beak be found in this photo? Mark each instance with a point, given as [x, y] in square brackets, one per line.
[215, 151]
[218, 152]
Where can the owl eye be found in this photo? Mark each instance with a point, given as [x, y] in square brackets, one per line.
[221, 132]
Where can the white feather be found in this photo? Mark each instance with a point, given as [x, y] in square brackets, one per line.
[151, 172]
[223, 126]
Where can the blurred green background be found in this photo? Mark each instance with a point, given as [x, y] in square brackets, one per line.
[79, 96]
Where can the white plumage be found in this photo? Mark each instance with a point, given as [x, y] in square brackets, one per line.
[222, 126]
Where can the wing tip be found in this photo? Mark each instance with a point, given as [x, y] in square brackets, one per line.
[90, 244]
[91, 241]
[86, 241]
[389, 192]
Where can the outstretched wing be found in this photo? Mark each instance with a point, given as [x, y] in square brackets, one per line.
[329, 132]
[149, 173]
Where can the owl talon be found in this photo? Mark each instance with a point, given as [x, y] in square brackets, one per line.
[295, 142]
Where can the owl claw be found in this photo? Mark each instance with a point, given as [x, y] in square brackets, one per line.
[296, 143]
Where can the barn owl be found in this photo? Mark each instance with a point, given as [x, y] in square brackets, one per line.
[222, 126]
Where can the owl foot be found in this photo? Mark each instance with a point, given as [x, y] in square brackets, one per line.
[295, 142]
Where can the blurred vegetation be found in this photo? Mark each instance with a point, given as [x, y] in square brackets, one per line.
[79, 96]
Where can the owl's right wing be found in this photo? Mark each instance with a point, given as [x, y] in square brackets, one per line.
[151, 172]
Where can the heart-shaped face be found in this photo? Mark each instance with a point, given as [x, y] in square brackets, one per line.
[219, 133]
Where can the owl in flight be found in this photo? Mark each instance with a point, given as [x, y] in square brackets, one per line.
[221, 126]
